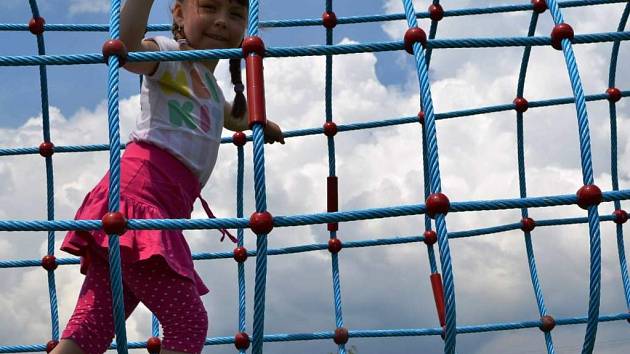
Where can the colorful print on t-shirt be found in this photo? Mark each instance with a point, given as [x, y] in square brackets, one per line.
[178, 85]
[182, 113]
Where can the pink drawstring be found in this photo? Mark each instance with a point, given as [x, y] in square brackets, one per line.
[224, 232]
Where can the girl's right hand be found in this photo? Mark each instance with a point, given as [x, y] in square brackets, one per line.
[273, 133]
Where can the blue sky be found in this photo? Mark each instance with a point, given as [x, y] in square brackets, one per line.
[72, 87]
[382, 287]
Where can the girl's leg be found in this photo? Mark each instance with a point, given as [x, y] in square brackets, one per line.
[67, 346]
[175, 302]
[90, 329]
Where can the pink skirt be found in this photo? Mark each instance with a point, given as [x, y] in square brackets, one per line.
[153, 185]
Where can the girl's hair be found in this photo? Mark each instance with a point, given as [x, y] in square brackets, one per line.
[239, 106]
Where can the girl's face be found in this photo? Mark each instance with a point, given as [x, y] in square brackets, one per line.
[212, 24]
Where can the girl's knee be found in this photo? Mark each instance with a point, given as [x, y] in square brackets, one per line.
[186, 330]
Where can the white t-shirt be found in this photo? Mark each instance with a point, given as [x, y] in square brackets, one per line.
[182, 112]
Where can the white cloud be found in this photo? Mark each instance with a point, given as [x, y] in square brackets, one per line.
[78, 7]
[385, 287]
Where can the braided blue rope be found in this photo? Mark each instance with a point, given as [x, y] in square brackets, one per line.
[350, 244]
[385, 122]
[623, 264]
[431, 169]
[114, 184]
[306, 219]
[531, 258]
[425, 166]
[240, 235]
[587, 177]
[435, 184]
[336, 282]
[314, 50]
[43, 79]
[261, 206]
[318, 21]
[327, 335]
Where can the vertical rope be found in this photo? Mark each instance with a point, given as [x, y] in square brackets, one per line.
[155, 326]
[623, 264]
[240, 236]
[43, 79]
[114, 182]
[435, 183]
[261, 206]
[336, 282]
[531, 259]
[587, 177]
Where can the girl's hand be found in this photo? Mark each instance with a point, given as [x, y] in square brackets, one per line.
[273, 133]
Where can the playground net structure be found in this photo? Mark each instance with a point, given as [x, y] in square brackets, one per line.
[417, 42]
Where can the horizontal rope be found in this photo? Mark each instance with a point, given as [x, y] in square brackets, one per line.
[407, 332]
[341, 127]
[306, 219]
[346, 244]
[315, 50]
[319, 22]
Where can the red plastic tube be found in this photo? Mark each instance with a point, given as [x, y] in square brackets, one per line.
[255, 90]
[333, 200]
[438, 295]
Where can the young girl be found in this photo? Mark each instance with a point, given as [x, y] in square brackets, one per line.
[172, 152]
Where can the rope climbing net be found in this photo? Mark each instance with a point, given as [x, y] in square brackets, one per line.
[436, 206]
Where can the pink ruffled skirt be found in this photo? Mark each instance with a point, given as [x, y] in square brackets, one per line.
[153, 185]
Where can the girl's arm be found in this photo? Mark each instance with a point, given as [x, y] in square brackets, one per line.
[134, 17]
[273, 132]
[232, 123]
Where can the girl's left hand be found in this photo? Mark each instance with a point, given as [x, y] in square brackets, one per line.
[273, 133]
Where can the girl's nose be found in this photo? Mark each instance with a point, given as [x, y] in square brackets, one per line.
[220, 20]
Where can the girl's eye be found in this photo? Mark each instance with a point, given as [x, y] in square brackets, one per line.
[237, 14]
[208, 7]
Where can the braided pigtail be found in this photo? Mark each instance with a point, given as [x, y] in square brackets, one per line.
[239, 106]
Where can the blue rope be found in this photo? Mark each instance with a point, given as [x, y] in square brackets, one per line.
[531, 259]
[349, 244]
[587, 177]
[338, 49]
[435, 184]
[240, 235]
[318, 21]
[50, 191]
[306, 219]
[327, 335]
[623, 264]
[114, 184]
[431, 171]
[261, 206]
[336, 282]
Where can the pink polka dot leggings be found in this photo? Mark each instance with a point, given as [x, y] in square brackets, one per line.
[172, 298]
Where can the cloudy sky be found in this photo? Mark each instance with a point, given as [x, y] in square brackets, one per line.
[383, 287]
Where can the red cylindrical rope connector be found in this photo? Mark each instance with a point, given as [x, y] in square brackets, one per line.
[333, 200]
[255, 90]
[438, 295]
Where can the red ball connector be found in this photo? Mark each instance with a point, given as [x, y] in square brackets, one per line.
[329, 19]
[36, 25]
[561, 31]
[437, 203]
[588, 195]
[261, 223]
[115, 47]
[154, 345]
[413, 35]
[46, 149]
[241, 341]
[436, 12]
[521, 104]
[114, 223]
[49, 262]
